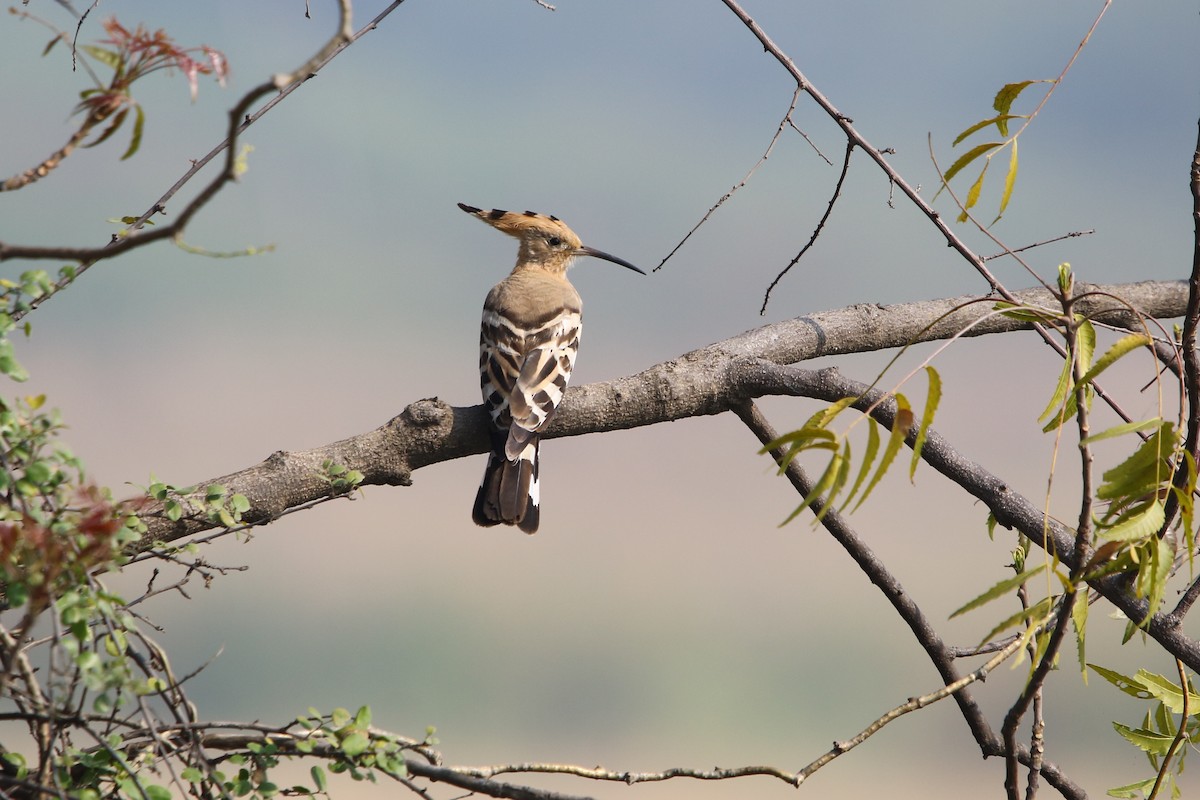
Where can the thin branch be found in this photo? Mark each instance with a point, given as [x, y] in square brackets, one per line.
[1191, 365]
[787, 119]
[837, 192]
[1071, 235]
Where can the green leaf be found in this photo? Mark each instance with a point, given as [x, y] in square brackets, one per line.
[1085, 343]
[966, 158]
[973, 192]
[1121, 430]
[362, 719]
[1150, 741]
[339, 717]
[1033, 616]
[156, 792]
[1079, 614]
[827, 481]
[139, 124]
[868, 459]
[1168, 693]
[1187, 509]
[999, 590]
[1059, 398]
[1144, 471]
[1024, 313]
[1009, 180]
[998, 121]
[318, 776]
[107, 57]
[1137, 526]
[191, 775]
[900, 426]
[355, 744]
[1120, 348]
[932, 398]
[1132, 791]
[1008, 94]
[1130, 686]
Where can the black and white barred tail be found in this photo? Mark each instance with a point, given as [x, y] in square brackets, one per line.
[509, 493]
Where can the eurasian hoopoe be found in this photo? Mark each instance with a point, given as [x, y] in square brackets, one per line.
[531, 325]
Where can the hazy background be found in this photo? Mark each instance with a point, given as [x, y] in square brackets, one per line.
[660, 618]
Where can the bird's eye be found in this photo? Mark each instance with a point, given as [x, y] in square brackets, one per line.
[554, 241]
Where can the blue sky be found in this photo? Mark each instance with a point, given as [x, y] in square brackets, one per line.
[660, 617]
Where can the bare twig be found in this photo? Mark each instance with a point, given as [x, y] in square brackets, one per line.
[787, 119]
[1008, 252]
[837, 192]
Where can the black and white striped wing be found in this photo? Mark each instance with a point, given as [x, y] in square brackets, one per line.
[542, 381]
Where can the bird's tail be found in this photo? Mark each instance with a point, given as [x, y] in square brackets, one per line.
[509, 492]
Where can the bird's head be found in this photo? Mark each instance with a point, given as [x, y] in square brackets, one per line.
[546, 241]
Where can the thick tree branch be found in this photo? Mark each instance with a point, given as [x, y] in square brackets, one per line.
[696, 384]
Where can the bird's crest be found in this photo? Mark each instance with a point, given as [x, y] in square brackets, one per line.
[523, 223]
[546, 241]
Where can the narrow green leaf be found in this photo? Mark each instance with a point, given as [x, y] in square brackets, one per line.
[1187, 510]
[841, 475]
[109, 58]
[999, 590]
[973, 192]
[900, 426]
[1059, 398]
[1085, 343]
[1121, 430]
[1128, 685]
[139, 124]
[868, 459]
[1009, 180]
[1033, 616]
[1137, 526]
[932, 399]
[1024, 313]
[1120, 348]
[318, 776]
[1008, 94]
[1150, 741]
[825, 482]
[998, 121]
[1168, 693]
[1133, 791]
[1079, 614]
[969, 156]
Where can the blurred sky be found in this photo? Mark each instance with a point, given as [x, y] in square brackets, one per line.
[660, 618]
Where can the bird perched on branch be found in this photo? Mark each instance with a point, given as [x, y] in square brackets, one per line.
[531, 325]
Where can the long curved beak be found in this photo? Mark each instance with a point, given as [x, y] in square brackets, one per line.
[594, 253]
